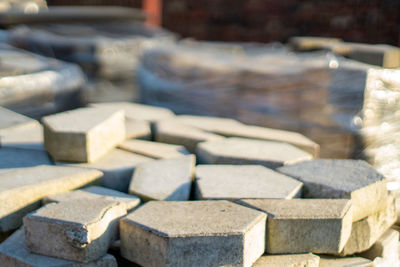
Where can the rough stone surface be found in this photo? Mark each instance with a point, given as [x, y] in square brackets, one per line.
[11, 158]
[246, 151]
[29, 136]
[153, 149]
[327, 261]
[96, 192]
[195, 233]
[386, 247]
[354, 179]
[137, 129]
[14, 253]
[167, 179]
[117, 166]
[289, 260]
[172, 132]
[78, 230]
[245, 181]
[83, 135]
[366, 232]
[10, 119]
[22, 190]
[305, 225]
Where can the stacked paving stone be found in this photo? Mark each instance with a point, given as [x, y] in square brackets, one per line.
[188, 191]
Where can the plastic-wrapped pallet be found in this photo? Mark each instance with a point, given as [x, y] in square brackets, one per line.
[35, 85]
[108, 52]
[317, 94]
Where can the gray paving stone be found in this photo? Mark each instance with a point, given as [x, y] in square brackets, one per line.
[28, 136]
[10, 119]
[96, 192]
[79, 230]
[246, 151]
[117, 165]
[305, 225]
[386, 247]
[14, 253]
[354, 179]
[330, 261]
[154, 150]
[244, 181]
[166, 179]
[233, 128]
[172, 132]
[11, 158]
[137, 129]
[193, 233]
[83, 135]
[289, 260]
[22, 190]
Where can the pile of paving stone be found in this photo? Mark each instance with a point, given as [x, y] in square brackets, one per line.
[124, 184]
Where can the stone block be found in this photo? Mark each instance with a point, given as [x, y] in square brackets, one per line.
[167, 179]
[11, 158]
[386, 247]
[153, 149]
[289, 260]
[307, 43]
[14, 253]
[79, 230]
[354, 179]
[29, 136]
[10, 119]
[22, 190]
[246, 151]
[305, 225]
[172, 132]
[383, 55]
[138, 129]
[117, 166]
[330, 261]
[83, 135]
[244, 181]
[96, 192]
[194, 233]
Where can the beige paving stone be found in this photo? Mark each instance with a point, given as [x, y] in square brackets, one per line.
[96, 192]
[22, 190]
[306, 43]
[11, 158]
[10, 119]
[83, 135]
[244, 181]
[193, 233]
[172, 132]
[386, 247]
[232, 128]
[166, 179]
[365, 232]
[330, 261]
[28, 136]
[137, 129]
[289, 260]
[14, 253]
[117, 165]
[154, 150]
[353, 179]
[305, 225]
[246, 151]
[79, 230]
[383, 55]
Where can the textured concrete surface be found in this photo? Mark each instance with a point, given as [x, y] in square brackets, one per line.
[96, 192]
[246, 151]
[118, 166]
[78, 230]
[10, 119]
[22, 190]
[172, 132]
[244, 181]
[196, 233]
[386, 247]
[137, 129]
[329, 261]
[14, 253]
[305, 225]
[354, 179]
[289, 260]
[22, 158]
[29, 136]
[83, 135]
[167, 179]
[153, 149]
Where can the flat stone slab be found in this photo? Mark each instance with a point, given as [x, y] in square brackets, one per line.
[10, 119]
[118, 166]
[83, 135]
[96, 192]
[13, 252]
[354, 179]
[193, 233]
[153, 149]
[139, 129]
[78, 230]
[305, 225]
[289, 260]
[22, 190]
[29, 136]
[11, 158]
[330, 261]
[386, 247]
[246, 151]
[244, 181]
[172, 132]
[167, 179]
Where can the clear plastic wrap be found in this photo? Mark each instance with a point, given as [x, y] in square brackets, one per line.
[317, 94]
